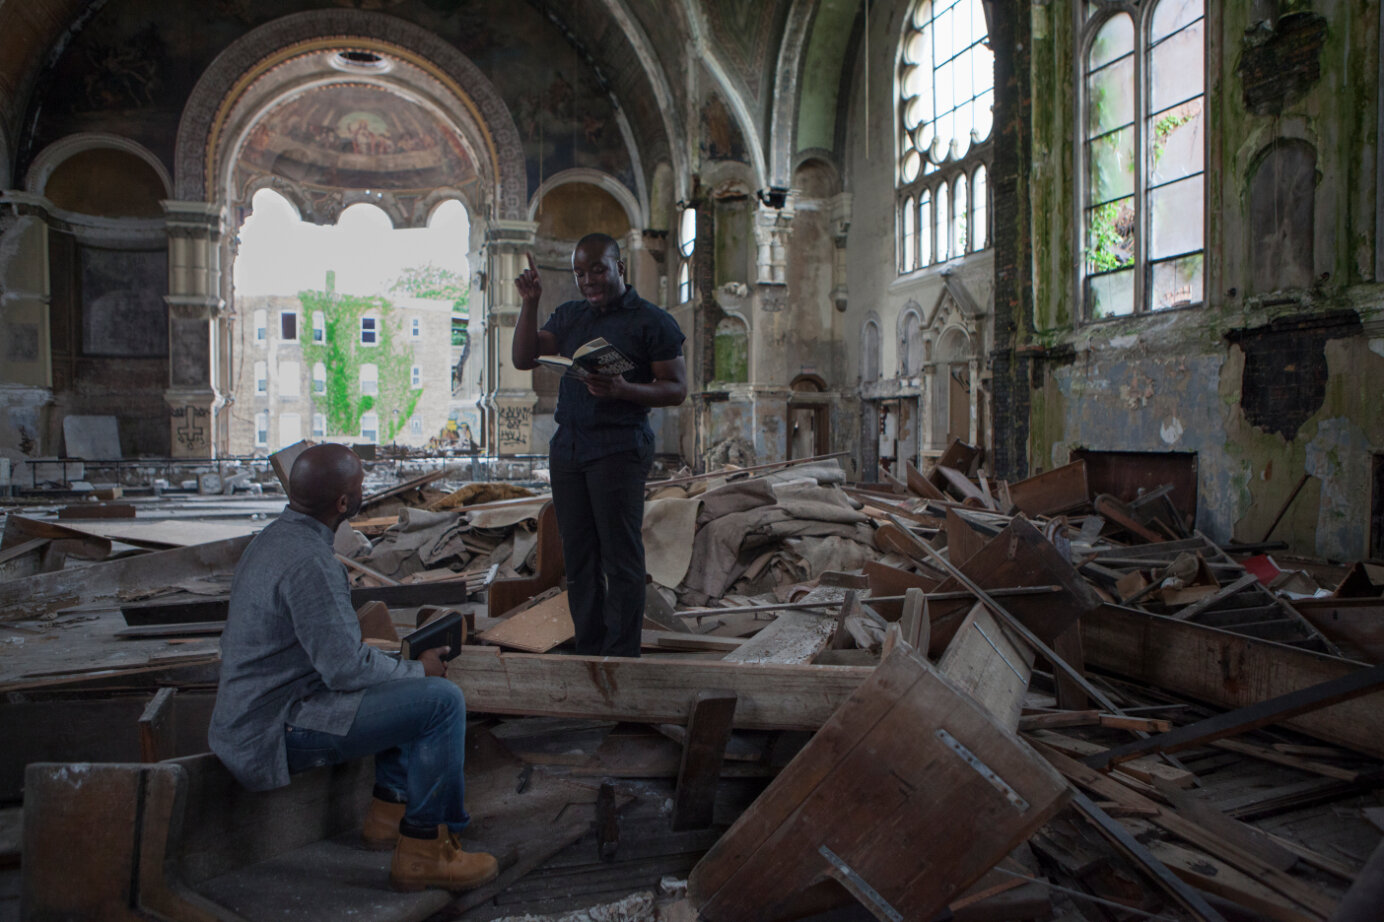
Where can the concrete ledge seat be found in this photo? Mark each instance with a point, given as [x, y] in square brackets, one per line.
[181, 840]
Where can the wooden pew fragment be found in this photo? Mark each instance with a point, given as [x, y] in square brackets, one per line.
[703, 751]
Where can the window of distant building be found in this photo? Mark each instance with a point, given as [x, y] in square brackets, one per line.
[1143, 151]
[370, 426]
[261, 377]
[319, 378]
[319, 425]
[415, 328]
[262, 428]
[369, 330]
[369, 379]
[687, 245]
[288, 379]
[945, 101]
[290, 429]
[319, 327]
[288, 326]
[415, 376]
[415, 425]
[261, 326]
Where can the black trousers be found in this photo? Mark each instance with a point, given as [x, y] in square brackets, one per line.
[600, 515]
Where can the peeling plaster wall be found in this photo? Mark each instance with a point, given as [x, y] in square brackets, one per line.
[1265, 386]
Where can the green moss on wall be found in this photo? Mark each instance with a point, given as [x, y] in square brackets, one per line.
[342, 354]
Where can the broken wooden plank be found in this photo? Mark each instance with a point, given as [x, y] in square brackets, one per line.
[678, 640]
[920, 484]
[537, 629]
[906, 751]
[792, 637]
[1207, 602]
[1206, 873]
[156, 740]
[771, 696]
[34, 596]
[1021, 530]
[97, 511]
[703, 751]
[1061, 489]
[1230, 671]
[1298, 891]
[1260, 714]
[1187, 897]
[989, 664]
[1147, 770]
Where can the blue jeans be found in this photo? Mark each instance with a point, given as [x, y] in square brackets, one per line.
[416, 729]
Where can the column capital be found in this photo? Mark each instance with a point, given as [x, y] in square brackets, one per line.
[502, 234]
[194, 219]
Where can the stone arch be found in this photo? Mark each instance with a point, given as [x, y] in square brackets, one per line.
[815, 176]
[468, 95]
[618, 190]
[911, 348]
[731, 348]
[871, 348]
[53, 156]
[1282, 211]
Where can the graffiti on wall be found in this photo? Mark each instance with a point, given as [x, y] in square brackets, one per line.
[515, 426]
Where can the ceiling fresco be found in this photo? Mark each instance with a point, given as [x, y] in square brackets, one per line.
[353, 136]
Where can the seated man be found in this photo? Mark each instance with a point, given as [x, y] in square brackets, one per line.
[299, 690]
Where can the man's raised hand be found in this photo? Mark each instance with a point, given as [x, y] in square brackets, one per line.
[528, 283]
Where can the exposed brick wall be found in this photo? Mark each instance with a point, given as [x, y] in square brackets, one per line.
[1009, 177]
[1279, 67]
[1284, 381]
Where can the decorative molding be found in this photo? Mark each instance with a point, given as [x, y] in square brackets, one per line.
[787, 84]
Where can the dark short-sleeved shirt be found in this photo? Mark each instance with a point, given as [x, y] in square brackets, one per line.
[590, 427]
[291, 652]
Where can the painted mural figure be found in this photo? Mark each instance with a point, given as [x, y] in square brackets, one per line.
[603, 446]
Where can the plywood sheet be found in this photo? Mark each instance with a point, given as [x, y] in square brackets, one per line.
[535, 630]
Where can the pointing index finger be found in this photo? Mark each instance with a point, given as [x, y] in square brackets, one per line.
[531, 265]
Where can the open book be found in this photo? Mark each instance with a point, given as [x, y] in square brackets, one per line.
[597, 356]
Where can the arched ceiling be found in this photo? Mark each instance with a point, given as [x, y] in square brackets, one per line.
[597, 84]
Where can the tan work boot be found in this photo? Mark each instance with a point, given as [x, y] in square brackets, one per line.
[381, 829]
[439, 862]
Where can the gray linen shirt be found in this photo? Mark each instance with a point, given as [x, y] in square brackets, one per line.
[291, 652]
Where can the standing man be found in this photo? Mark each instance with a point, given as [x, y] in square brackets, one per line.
[603, 446]
[299, 689]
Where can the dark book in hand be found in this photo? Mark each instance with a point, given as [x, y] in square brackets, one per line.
[446, 631]
[596, 357]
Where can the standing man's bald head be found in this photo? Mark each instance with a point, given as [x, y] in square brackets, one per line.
[325, 483]
[599, 271]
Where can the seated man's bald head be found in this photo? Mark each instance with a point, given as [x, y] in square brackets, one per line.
[321, 476]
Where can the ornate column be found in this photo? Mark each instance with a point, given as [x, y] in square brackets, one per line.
[195, 231]
[771, 229]
[510, 400]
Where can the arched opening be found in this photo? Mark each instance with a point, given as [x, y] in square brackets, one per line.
[732, 351]
[952, 389]
[366, 327]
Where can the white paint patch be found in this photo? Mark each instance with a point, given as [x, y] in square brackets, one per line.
[1171, 431]
[1377, 346]
[1128, 341]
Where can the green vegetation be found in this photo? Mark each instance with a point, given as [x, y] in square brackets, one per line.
[435, 284]
[1104, 241]
[342, 353]
[1164, 127]
[732, 354]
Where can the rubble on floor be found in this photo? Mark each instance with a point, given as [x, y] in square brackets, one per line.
[930, 694]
